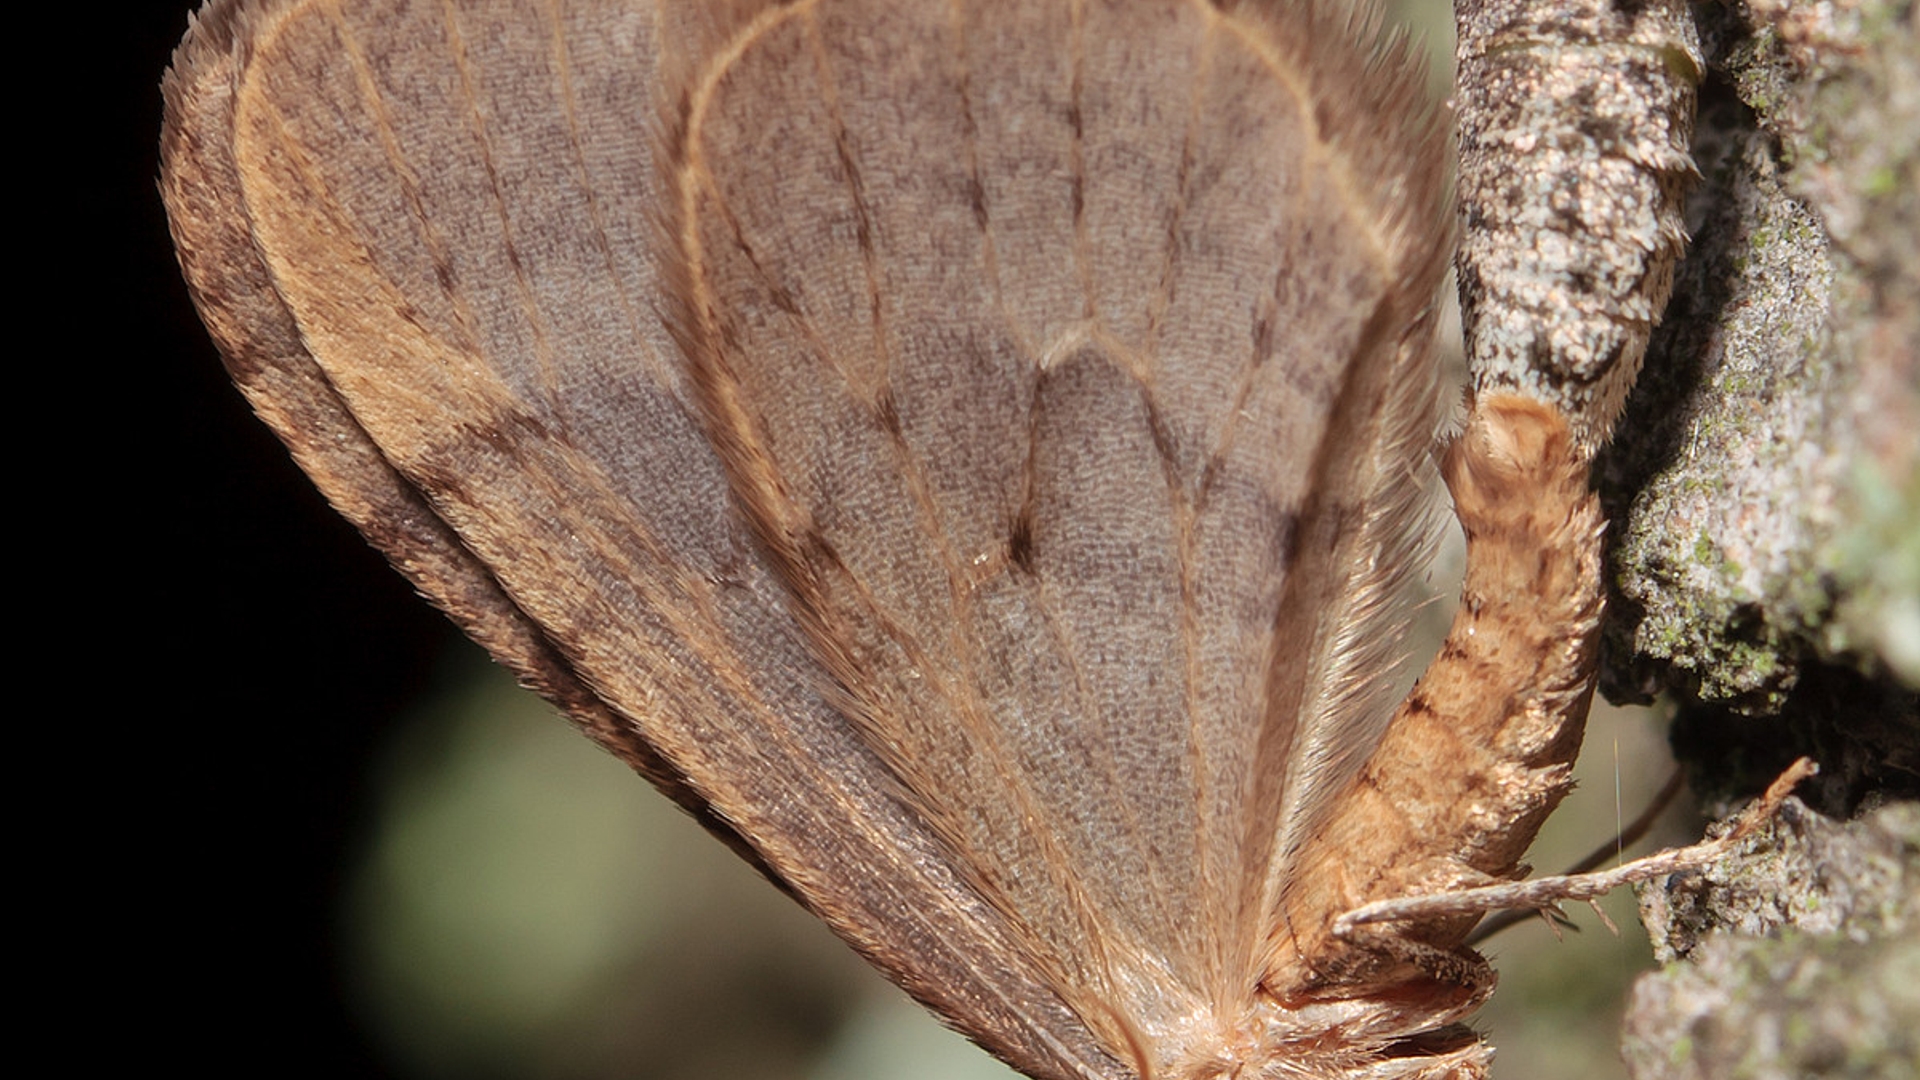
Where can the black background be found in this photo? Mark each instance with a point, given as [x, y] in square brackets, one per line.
[243, 652]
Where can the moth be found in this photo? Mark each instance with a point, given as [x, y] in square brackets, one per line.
[971, 454]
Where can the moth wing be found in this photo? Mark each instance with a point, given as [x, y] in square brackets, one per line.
[1072, 363]
[969, 497]
[423, 237]
[264, 353]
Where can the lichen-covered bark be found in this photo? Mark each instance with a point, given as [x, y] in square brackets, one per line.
[1764, 489]
[1802, 957]
[1574, 120]
[1765, 480]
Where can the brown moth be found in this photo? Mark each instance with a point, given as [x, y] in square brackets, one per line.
[972, 455]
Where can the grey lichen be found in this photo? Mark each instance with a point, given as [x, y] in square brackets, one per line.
[1764, 487]
[1745, 470]
[1804, 957]
[1766, 477]
[1574, 120]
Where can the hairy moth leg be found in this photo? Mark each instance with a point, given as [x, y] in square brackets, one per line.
[1540, 893]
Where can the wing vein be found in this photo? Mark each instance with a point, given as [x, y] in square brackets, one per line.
[537, 321]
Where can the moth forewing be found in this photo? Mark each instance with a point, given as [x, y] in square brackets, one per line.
[970, 453]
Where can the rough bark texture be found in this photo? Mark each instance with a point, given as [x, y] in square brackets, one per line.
[1764, 487]
[1764, 478]
[1574, 119]
[1800, 957]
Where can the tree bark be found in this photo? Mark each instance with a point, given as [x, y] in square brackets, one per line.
[1764, 489]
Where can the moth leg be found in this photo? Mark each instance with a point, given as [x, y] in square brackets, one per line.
[1384, 934]
[1627, 837]
[1540, 893]
[1460, 967]
[1373, 957]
